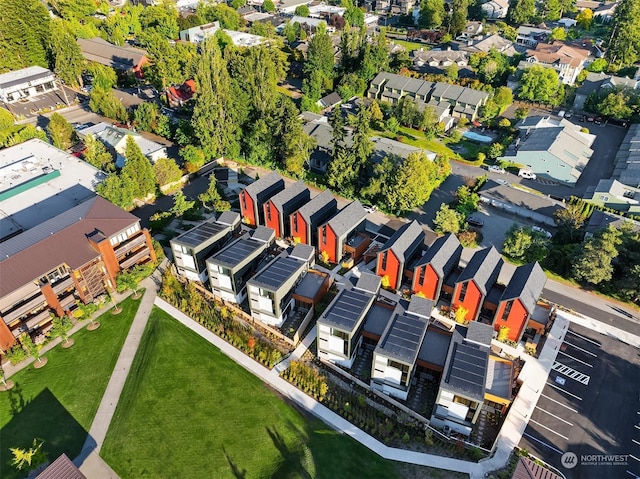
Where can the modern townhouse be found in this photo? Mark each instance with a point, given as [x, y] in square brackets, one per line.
[271, 289]
[278, 208]
[431, 270]
[191, 249]
[398, 252]
[231, 267]
[340, 325]
[475, 283]
[254, 196]
[305, 221]
[340, 234]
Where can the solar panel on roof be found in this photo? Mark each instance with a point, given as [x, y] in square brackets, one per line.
[468, 368]
[201, 233]
[237, 252]
[404, 338]
[348, 309]
[277, 273]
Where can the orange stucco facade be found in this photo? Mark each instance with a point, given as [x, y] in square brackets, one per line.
[390, 267]
[472, 301]
[248, 209]
[328, 242]
[516, 320]
[427, 282]
[299, 228]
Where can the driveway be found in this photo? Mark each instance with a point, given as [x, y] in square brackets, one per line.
[43, 101]
[586, 420]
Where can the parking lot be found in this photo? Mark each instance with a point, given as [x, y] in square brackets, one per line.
[587, 420]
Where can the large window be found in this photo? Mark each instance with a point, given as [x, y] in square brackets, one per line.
[507, 310]
[383, 266]
[268, 211]
[324, 234]
[463, 291]
[244, 201]
[295, 221]
[423, 271]
[345, 340]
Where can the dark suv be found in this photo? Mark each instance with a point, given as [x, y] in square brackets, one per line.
[475, 221]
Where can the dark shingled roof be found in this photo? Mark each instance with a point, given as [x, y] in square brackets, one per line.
[265, 183]
[295, 195]
[443, 255]
[303, 252]
[324, 202]
[420, 306]
[435, 347]
[369, 282]
[347, 219]
[483, 268]
[229, 218]
[402, 338]
[404, 242]
[479, 333]
[263, 234]
[527, 283]
[62, 239]
[101, 51]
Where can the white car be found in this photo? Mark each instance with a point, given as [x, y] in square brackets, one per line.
[543, 231]
[497, 169]
[528, 174]
[370, 208]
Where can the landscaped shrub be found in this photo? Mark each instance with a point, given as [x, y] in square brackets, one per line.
[310, 380]
[16, 354]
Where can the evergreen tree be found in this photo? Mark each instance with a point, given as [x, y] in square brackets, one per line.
[139, 170]
[68, 60]
[458, 19]
[97, 155]
[521, 11]
[61, 132]
[212, 122]
[118, 190]
[24, 34]
[166, 171]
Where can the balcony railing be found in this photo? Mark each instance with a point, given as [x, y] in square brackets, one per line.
[130, 244]
[24, 309]
[66, 301]
[60, 286]
[133, 259]
[37, 319]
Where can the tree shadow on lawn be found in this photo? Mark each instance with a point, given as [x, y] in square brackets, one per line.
[42, 417]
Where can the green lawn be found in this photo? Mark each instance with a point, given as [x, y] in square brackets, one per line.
[189, 411]
[58, 402]
[410, 46]
[417, 138]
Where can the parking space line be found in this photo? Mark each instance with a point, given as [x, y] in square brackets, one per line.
[581, 349]
[558, 402]
[631, 455]
[549, 429]
[636, 426]
[575, 359]
[566, 392]
[581, 336]
[631, 473]
[638, 443]
[551, 414]
[542, 442]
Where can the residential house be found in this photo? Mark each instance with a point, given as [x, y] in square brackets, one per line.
[396, 354]
[40, 181]
[115, 139]
[230, 268]
[191, 249]
[26, 83]
[600, 220]
[627, 162]
[177, 96]
[271, 289]
[565, 58]
[254, 196]
[476, 280]
[599, 83]
[289, 6]
[472, 377]
[339, 235]
[199, 33]
[519, 300]
[325, 10]
[278, 208]
[304, 222]
[471, 30]
[554, 150]
[606, 11]
[464, 101]
[394, 150]
[531, 36]
[62, 467]
[74, 256]
[340, 325]
[612, 194]
[519, 202]
[582, 5]
[330, 101]
[398, 252]
[122, 59]
[495, 9]
[491, 42]
[310, 24]
[431, 270]
[443, 58]
[402, 7]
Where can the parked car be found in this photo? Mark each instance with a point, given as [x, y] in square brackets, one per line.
[543, 231]
[569, 114]
[497, 169]
[598, 120]
[370, 208]
[528, 174]
[561, 113]
[590, 119]
[475, 221]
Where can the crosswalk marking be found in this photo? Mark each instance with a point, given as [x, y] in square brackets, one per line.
[571, 373]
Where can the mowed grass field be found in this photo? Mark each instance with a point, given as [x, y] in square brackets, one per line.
[188, 411]
[58, 402]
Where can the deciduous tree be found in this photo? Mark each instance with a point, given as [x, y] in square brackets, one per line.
[540, 84]
[61, 132]
[166, 171]
[447, 220]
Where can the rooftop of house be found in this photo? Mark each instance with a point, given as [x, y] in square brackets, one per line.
[247, 247]
[101, 51]
[330, 100]
[278, 272]
[483, 268]
[264, 183]
[369, 283]
[377, 318]
[435, 346]
[347, 219]
[559, 52]
[39, 181]
[599, 220]
[209, 231]
[499, 381]
[529, 469]
[526, 284]
[402, 338]
[405, 241]
[319, 203]
[292, 193]
[528, 31]
[595, 81]
[347, 309]
[60, 239]
[25, 75]
[114, 137]
[494, 41]
[443, 254]
[627, 162]
[310, 284]
[61, 468]
[465, 369]
[421, 307]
